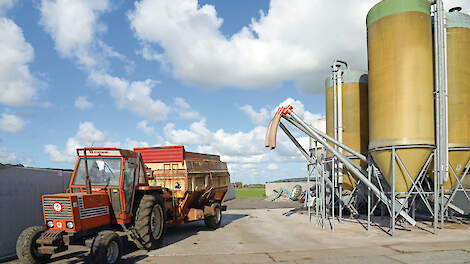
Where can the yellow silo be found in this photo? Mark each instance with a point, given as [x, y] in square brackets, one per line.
[355, 116]
[401, 105]
[458, 90]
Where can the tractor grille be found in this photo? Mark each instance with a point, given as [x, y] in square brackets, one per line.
[49, 212]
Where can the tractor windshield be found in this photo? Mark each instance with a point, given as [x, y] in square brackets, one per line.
[102, 171]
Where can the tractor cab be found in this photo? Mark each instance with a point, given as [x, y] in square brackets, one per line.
[100, 193]
[113, 176]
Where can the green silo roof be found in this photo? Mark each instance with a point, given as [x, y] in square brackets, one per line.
[350, 76]
[390, 7]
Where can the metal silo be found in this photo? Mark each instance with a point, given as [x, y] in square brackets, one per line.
[355, 117]
[458, 85]
[401, 105]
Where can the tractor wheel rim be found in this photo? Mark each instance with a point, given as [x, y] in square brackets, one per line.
[218, 215]
[112, 252]
[156, 221]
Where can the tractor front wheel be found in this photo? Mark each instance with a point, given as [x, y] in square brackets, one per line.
[150, 223]
[26, 247]
[106, 248]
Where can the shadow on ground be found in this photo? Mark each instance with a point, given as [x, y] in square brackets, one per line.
[132, 254]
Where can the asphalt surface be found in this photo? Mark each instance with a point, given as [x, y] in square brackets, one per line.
[282, 236]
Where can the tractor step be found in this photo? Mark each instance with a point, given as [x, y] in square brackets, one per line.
[51, 249]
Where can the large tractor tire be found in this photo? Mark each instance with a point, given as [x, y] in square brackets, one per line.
[26, 247]
[150, 223]
[106, 248]
[215, 220]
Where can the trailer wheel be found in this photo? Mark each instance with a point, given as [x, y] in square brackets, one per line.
[215, 220]
[26, 247]
[106, 248]
[150, 222]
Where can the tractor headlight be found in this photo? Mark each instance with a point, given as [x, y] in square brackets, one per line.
[50, 224]
[69, 224]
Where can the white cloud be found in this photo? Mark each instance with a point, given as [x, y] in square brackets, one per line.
[317, 120]
[73, 24]
[131, 144]
[190, 115]
[184, 109]
[295, 40]
[144, 126]
[7, 156]
[257, 118]
[150, 54]
[11, 123]
[241, 146]
[238, 147]
[287, 43]
[134, 96]
[17, 85]
[196, 135]
[82, 103]
[262, 116]
[75, 27]
[182, 103]
[5, 5]
[87, 135]
[111, 53]
[272, 167]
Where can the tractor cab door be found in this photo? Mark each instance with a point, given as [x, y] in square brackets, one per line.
[129, 182]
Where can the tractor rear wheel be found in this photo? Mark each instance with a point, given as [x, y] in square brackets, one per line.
[215, 220]
[150, 223]
[26, 247]
[106, 248]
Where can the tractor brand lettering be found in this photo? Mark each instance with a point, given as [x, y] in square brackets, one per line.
[57, 207]
[91, 212]
[96, 152]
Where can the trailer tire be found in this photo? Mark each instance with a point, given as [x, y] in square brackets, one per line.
[26, 247]
[106, 248]
[215, 220]
[150, 222]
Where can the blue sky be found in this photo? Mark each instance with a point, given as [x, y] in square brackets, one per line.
[204, 74]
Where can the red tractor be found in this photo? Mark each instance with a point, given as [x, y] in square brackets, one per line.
[109, 192]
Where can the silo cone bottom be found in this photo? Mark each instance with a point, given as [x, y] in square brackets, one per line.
[458, 160]
[414, 160]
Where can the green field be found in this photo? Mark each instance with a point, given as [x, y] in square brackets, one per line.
[250, 192]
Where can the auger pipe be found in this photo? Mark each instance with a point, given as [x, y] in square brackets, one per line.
[332, 140]
[351, 168]
[296, 124]
[309, 159]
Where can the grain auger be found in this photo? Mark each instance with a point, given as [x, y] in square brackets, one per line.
[321, 138]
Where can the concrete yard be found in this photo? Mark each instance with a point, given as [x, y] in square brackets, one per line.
[271, 236]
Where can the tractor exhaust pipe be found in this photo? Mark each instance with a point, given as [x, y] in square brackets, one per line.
[87, 177]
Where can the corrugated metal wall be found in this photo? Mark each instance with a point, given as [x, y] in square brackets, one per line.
[20, 200]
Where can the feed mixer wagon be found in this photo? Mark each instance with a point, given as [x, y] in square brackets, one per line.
[196, 180]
